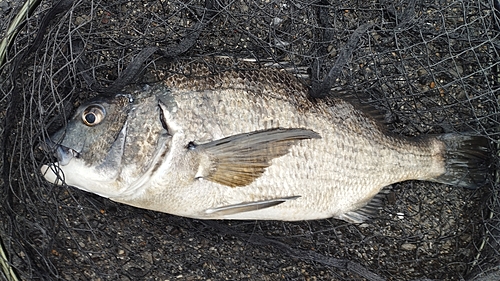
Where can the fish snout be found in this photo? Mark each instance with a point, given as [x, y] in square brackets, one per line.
[63, 153]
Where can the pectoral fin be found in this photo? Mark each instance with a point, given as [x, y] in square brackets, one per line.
[248, 206]
[240, 159]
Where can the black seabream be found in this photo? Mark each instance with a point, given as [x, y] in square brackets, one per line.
[248, 144]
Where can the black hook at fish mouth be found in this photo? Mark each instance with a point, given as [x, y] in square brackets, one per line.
[63, 153]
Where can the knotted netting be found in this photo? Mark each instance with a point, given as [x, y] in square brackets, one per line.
[428, 67]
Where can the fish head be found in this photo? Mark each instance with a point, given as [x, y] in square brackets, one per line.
[89, 149]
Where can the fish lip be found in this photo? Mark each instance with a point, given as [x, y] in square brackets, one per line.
[63, 153]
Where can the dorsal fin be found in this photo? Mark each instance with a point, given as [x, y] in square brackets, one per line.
[356, 100]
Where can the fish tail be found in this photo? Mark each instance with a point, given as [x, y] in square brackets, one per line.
[468, 160]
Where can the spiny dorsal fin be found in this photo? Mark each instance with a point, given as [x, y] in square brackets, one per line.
[248, 206]
[240, 159]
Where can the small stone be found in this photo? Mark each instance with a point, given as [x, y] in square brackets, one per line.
[408, 247]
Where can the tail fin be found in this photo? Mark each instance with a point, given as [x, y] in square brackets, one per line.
[468, 160]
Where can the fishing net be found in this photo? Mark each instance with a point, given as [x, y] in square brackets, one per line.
[429, 66]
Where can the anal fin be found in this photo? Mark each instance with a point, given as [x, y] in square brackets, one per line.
[368, 211]
[248, 206]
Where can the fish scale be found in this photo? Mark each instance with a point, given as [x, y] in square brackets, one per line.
[289, 175]
[251, 144]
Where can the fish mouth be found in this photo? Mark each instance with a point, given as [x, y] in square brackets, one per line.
[63, 153]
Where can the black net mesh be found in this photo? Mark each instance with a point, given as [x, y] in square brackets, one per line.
[431, 66]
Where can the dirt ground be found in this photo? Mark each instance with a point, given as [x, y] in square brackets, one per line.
[427, 67]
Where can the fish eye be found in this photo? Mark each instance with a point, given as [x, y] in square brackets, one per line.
[93, 115]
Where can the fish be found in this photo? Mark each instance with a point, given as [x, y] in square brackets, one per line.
[248, 144]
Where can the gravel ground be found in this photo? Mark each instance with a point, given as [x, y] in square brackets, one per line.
[425, 66]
